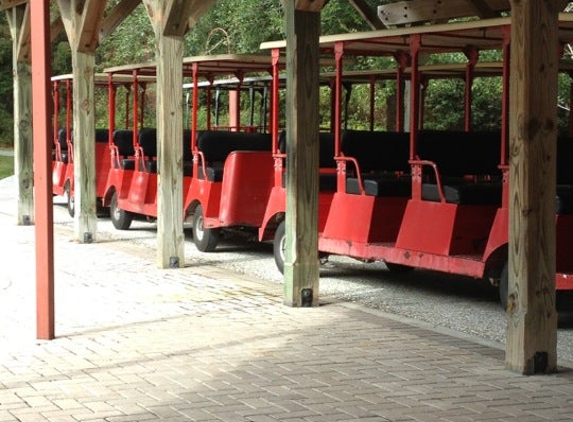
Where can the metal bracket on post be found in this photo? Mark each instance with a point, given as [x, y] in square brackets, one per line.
[306, 298]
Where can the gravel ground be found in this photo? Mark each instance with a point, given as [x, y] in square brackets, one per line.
[442, 301]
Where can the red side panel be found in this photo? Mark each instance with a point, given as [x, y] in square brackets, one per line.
[564, 243]
[103, 164]
[59, 169]
[363, 218]
[427, 227]
[246, 188]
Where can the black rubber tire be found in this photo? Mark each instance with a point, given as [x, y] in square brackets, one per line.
[70, 200]
[206, 240]
[398, 268]
[279, 247]
[504, 285]
[121, 219]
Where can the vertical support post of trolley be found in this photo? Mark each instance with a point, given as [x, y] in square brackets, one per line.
[415, 41]
[403, 61]
[340, 164]
[473, 55]
[275, 56]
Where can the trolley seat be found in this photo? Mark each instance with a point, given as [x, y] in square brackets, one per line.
[382, 158]
[62, 146]
[466, 167]
[326, 162]
[215, 146]
[147, 140]
[101, 136]
[564, 192]
[187, 154]
[124, 152]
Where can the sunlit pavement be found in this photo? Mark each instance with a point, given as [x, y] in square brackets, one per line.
[202, 343]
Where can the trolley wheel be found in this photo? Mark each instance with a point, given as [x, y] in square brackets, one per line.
[504, 285]
[70, 200]
[398, 268]
[279, 245]
[121, 219]
[205, 240]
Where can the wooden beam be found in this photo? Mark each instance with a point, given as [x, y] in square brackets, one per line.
[65, 8]
[56, 27]
[22, 46]
[45, 307]
[301, 267]
[169, 59]
[85, 219]
[178, 16]
[116, 16]
[416, 11]
[531, 315]
[9, 4]
[367, 13]
[91, 18]
[81, 20]
[310, 5]
[482, 9]
[199, 8]
[19, 22]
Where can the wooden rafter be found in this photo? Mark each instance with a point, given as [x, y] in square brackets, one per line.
[8, 4]
[482, 9]
[116, 16]
[417, 11]
[91, 18]
[310, 5]
[82, 20]
[20, 15]
[19, 20]
[56, 27]
[368, 14]
[196, 9]
[178, 16]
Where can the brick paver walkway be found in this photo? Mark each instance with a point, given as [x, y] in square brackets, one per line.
[136, 343]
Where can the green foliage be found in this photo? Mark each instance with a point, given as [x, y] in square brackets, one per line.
[132, 42]
[239, 26]
[6, 166]
[6, 86]
[222, 29]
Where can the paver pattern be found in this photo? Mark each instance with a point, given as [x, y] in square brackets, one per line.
[137, 343]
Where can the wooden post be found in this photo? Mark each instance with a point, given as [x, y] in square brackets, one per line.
[169, 58]
[85, 219]
[301, 268]
[19, 21]
[45, 309]
[531, 315]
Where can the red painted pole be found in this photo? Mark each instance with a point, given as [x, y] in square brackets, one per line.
[40, 41]
[275, 100]
[338, 53]
[415, 42]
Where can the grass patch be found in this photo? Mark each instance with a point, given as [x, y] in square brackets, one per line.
[6, 166]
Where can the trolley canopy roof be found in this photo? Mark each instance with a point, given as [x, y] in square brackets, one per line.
[223, 65]
[207, 66]
[102, 78]
[438, 71]
[485, 34]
